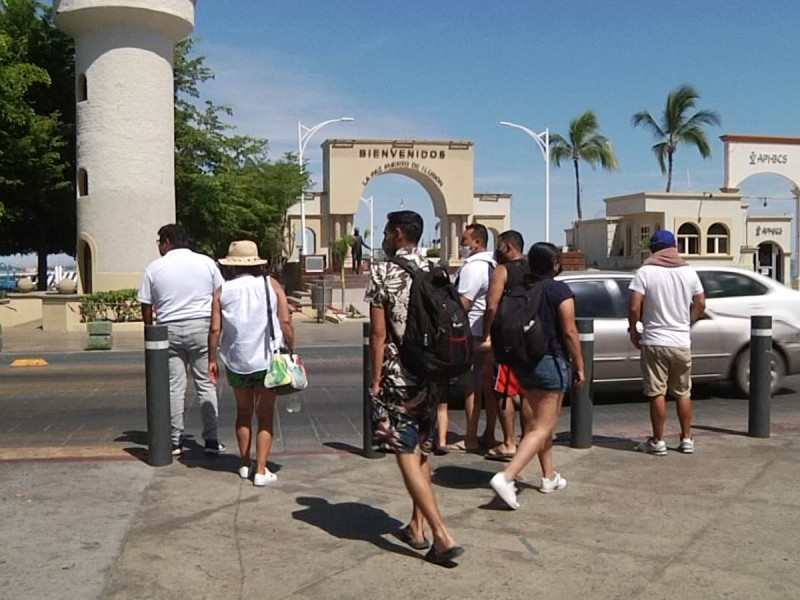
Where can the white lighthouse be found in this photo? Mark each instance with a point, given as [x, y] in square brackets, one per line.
[125, 131]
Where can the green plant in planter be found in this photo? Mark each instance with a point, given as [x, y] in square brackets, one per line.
[120, 306]
[433, 253]
[339, 249]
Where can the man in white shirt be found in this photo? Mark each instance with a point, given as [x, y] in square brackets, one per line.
[473, 285]
[666, 298]
[180, 286]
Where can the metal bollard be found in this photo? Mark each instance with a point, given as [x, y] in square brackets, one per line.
[760, 376]
[580, 414]
[366, 428]
[156, 369]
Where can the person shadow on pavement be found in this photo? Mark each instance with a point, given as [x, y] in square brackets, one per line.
[352, 521]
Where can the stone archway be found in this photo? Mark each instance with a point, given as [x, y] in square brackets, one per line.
[444, 168]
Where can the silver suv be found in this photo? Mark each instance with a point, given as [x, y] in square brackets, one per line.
[720, 344]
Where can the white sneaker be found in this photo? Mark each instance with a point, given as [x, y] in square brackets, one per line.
[244, 472]
[551, 485]
[505, 489]
[659, 448]
[260, 480]
[686, 446]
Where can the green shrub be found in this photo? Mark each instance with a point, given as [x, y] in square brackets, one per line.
[433, 253]
[120, 306]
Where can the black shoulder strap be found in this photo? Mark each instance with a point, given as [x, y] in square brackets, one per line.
[269, 310]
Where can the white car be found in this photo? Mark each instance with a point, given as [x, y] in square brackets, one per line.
[741, 293]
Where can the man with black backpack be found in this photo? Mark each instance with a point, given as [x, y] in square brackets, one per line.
[408, 337]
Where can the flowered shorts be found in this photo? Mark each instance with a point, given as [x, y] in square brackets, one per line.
[404, 418]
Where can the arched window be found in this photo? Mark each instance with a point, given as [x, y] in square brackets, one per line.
[83, 182]
[717, 239]
[688, 239]
[83, 91]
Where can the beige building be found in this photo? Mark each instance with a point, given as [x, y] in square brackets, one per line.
[444, 168]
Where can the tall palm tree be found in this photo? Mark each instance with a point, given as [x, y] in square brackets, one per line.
[677, 127]
[585, 143]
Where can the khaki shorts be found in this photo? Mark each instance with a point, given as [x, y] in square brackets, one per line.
[666, 370]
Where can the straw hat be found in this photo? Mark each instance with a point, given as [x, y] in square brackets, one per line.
[243, 253]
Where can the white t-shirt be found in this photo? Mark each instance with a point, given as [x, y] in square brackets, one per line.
[180, 285]
[246, 345]
[668, 293]
[473, 283]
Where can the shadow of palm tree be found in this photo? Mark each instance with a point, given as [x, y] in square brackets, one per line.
[352, 521]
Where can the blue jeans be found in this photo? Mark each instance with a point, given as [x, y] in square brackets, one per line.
[551, 374]
[188, 348]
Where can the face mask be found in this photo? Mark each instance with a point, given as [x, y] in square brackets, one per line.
[387, 248]
[466, 252]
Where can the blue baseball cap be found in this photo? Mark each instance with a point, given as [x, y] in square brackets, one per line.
[662, 239]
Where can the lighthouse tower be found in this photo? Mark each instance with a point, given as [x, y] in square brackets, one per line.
[125, 131]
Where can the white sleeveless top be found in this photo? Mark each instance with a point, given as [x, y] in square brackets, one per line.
[245, 346]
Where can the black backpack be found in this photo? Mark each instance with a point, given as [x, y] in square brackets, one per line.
[518, 337]
[437, 343]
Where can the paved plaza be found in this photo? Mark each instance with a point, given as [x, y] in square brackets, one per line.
[84, 516]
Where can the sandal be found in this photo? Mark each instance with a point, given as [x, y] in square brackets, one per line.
[445, 556]
[404, 535]
[497, 454]
[460, 446]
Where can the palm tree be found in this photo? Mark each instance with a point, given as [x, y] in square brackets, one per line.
[675, 127]
[585, 143]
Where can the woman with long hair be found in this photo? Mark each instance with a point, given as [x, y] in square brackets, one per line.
[250, 321]
[545, 383]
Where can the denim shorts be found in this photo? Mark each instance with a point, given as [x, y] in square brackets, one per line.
[552, 374]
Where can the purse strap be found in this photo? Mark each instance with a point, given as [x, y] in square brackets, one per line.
[270, 325]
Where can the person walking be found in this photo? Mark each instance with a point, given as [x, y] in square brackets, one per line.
[545, 383]
[512, 270]
[250, 322]
[403, 405]
[473, 285]
[176, 291]
[666, 298]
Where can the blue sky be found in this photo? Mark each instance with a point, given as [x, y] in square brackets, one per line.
[453, 70]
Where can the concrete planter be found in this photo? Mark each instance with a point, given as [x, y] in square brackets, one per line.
[100, 335]
[25, 285]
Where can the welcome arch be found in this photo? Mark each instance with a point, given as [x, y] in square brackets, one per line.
[444, 168]
[748, 155]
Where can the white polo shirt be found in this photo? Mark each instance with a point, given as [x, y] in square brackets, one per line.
[180, 286]
[473, 284]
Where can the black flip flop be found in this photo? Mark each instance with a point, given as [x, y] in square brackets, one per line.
[404, 535]
[444, 557]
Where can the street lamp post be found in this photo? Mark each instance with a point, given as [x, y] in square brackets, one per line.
[368, 202]
[303, 136]
[543, 142]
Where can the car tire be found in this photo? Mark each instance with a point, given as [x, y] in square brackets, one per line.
[741, 371]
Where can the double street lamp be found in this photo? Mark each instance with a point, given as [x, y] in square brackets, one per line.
[543, 142]
[303, 136]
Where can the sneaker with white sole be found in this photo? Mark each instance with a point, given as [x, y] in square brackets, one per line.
[686, 446]
[260, 480]
[177, 449]
[214, 447]
[505, 489]
[659, 448]
[244, 472]
[551, 485]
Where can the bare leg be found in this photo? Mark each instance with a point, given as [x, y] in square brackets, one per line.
[417, 523]
[545, 405]
[490, 403]
[684, 406]
[442, 423]
[506, 418]
[472, 409]
[416, 476]
[658, 416]
[244, 421]
[265, 410]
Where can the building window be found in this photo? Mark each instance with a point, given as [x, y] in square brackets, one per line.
[688, 239]
[644, 242]
[628, 240]
[717, 239]
[82, 91]
[83, 183]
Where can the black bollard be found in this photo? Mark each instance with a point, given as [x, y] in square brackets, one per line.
[580, 413]
[156, 369]
[366, 428]
[760, 376]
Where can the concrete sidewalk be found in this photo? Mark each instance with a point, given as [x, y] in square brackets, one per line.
[719, 523]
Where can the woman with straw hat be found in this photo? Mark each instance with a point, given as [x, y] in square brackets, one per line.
[250, 321]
